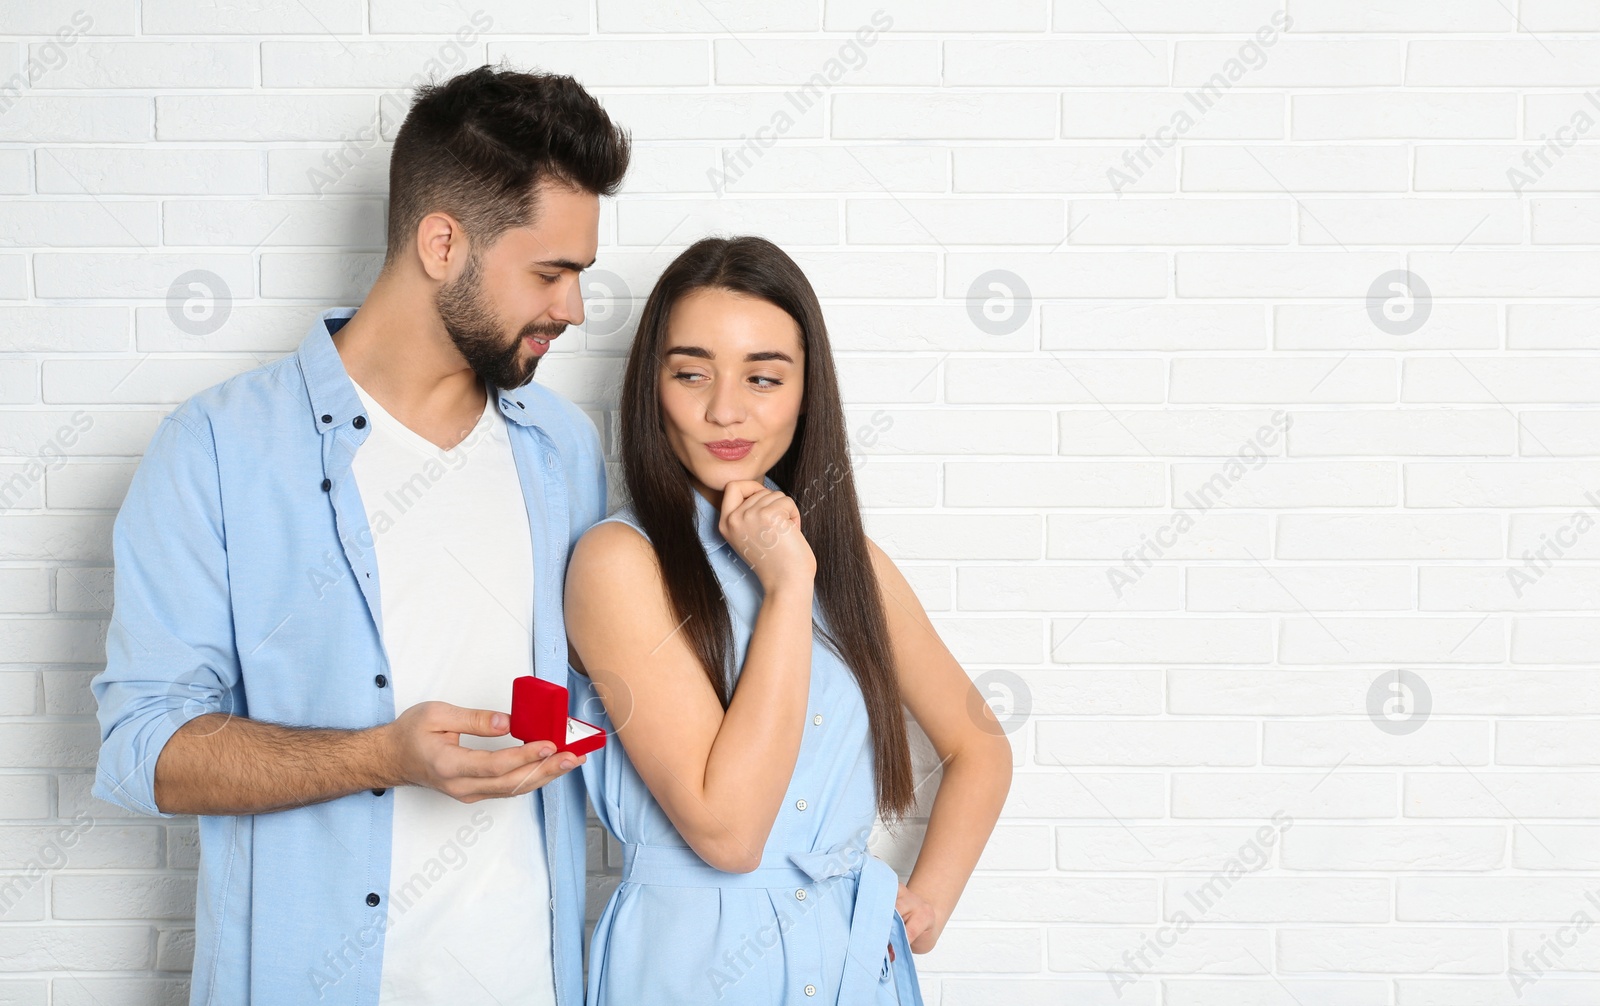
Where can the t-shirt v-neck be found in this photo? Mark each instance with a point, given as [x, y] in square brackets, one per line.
[416, 441]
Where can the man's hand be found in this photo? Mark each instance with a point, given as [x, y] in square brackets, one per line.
[253, 767]
[424, 747]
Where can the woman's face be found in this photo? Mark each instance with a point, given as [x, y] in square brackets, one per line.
[732, 378]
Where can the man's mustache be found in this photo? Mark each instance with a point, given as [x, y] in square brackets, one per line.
[549, 330]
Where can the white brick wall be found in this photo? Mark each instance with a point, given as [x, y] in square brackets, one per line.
[1187, 508]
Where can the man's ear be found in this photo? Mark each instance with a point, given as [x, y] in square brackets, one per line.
[440, 238]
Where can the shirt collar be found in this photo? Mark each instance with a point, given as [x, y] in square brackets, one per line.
[334, 401]
[333, 397]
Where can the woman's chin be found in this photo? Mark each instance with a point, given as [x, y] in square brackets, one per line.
[716, 475]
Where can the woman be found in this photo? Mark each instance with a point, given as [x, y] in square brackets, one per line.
[753, 653]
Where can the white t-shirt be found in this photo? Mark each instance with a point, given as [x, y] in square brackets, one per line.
[469, 916]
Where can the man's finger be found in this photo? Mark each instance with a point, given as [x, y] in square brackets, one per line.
[461, 720]
[512, 759]
[535, 776]
[491, 785]
[472, 763]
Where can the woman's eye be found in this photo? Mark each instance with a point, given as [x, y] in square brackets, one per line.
[686, 376]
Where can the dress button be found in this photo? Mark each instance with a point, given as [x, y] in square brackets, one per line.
[373, 899]
[379, 792]
[811, 990]
[380, 681]
[800, 894]
[359, 422]
[799, 805]
[327, 419]
[817, 719]
[327, 484]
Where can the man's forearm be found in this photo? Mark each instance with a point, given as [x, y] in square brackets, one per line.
[221, 764]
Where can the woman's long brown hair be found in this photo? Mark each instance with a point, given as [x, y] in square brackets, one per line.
[815, 472]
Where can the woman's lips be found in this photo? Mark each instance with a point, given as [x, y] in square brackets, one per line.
[729, 450]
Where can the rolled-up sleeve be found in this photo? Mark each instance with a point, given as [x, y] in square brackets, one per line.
[170, 652]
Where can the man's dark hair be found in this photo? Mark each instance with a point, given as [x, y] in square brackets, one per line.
[476, 146]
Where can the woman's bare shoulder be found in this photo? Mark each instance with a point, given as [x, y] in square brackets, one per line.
[612, 548]
[613, 568]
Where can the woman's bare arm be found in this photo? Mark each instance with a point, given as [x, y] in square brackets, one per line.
[970, 743]
[720, 776]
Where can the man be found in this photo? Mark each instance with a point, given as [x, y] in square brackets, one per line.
[255, 669]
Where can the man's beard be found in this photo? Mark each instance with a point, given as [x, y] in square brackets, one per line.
[477, 333]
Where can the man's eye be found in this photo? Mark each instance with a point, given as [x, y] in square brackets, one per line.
[549, 279]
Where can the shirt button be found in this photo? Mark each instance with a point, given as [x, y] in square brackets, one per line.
[800, 894]
[817, 719]
[359, 422]
[811, 990]
[327, 419]
[380, 681]
[799, 805]
[327, 484]
[373, 899]
[379, 792]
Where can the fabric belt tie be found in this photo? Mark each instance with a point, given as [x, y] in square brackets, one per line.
[874, 922]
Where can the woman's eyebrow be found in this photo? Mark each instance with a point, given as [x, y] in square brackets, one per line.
[706, 354]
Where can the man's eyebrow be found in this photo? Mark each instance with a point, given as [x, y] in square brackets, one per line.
[564, 263]
[705, 354]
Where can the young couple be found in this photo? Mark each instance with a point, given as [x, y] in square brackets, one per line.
[329, 569]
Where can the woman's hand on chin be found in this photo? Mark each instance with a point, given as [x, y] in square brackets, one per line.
[763, 525]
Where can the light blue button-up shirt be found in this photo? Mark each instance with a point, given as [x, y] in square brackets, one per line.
[246, 582]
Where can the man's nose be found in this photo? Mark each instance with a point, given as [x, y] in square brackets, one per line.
[570, 305]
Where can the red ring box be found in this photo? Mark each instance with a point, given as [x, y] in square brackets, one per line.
[537, 709]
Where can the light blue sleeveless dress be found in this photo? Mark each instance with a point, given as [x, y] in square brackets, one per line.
[813, 923]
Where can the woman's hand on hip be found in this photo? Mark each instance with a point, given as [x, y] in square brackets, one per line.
[921, 919]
